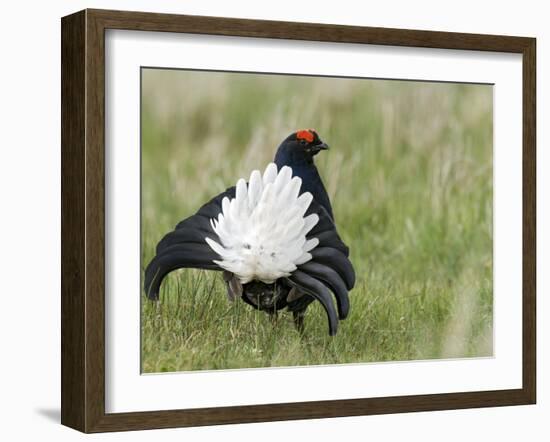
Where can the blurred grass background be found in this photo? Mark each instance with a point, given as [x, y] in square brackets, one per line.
[409, 174]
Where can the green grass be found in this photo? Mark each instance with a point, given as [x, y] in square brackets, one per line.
[410, 177]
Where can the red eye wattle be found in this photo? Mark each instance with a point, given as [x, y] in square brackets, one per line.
[305, 135]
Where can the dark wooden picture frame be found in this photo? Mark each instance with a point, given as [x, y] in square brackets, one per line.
[83, 220]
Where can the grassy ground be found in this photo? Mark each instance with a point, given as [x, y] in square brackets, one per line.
[410, 177]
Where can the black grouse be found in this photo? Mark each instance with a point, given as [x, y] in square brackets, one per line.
[273, 237]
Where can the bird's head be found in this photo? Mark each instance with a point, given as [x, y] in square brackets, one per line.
[300, 147]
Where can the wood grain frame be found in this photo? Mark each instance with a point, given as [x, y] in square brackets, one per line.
[83, 220]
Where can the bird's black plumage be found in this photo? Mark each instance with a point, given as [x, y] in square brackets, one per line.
[329, 272]
[297, 153]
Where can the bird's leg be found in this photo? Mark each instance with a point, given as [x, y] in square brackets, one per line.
[274, 316]
[234, 286]
[298, 317]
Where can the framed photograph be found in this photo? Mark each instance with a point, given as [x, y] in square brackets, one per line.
[267, 221]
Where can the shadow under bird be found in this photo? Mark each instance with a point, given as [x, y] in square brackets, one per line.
[273, 237]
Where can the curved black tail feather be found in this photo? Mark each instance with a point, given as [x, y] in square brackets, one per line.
[319, 291]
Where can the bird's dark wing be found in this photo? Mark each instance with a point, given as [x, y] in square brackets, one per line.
[329, 269]
[185, 247]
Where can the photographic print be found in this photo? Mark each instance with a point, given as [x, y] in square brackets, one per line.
[292, 220]
[251, 204]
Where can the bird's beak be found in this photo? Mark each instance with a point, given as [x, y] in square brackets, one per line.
[322, 146]
[316, 148]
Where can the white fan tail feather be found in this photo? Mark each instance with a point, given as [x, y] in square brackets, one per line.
[270, 173]
[311, 244]
[262, 231]
[255, 187]
[303, 258]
